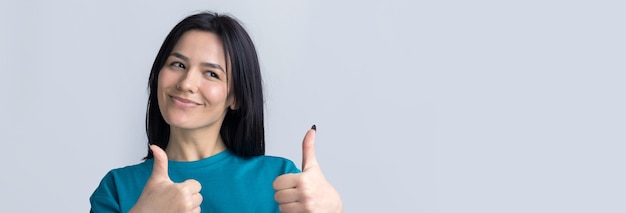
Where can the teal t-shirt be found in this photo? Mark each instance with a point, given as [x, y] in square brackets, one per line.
[229, 183]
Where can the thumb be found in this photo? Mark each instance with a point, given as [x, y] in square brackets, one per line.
[159, 169]
[308, 149]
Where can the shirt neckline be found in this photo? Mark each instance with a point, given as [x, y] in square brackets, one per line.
[198, 163]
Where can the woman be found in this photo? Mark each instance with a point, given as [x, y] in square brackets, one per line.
[205, 114]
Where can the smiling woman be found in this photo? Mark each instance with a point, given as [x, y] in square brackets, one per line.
[206, 136]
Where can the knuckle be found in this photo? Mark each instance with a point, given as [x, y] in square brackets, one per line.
[303, 180]
[309, 206]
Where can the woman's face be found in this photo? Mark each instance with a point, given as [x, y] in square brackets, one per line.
[193, 91]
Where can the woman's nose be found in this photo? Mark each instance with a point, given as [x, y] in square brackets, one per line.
[188, 82]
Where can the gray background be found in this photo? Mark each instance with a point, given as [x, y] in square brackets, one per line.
[421, 106]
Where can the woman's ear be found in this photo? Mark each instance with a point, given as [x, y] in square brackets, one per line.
[233, 106]
[233, 103]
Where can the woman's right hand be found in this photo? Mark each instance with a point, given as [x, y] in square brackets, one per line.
[161, 194]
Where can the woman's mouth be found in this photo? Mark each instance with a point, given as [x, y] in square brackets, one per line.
[183, 102]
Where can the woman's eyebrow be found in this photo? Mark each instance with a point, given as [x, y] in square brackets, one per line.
[206, 64]
[212, 65]
[181, 56]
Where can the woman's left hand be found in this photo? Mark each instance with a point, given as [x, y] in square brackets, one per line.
[308, 191]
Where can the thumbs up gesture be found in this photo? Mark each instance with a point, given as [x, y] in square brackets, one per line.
[308, 191]
[162, 195]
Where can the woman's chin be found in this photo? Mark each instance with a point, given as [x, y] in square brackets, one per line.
[181, 123]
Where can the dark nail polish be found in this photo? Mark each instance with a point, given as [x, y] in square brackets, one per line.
[314, 127]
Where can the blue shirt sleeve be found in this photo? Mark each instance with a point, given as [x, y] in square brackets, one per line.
[103, 200]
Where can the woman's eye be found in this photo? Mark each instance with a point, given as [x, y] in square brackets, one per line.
[212, 74]
[177, 64]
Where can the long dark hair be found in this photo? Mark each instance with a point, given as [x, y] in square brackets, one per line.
[242, 129]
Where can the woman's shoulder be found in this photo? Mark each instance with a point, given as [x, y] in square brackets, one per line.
[119, 184]
[140, 170]
[272, 158]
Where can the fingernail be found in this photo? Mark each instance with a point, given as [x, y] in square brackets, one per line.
[314, 127]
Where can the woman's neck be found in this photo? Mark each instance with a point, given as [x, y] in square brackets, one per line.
[192, 145]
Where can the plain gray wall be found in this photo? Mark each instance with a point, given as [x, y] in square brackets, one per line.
[421, 106]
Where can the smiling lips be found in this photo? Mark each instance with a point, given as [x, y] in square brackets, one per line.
[184, 103]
